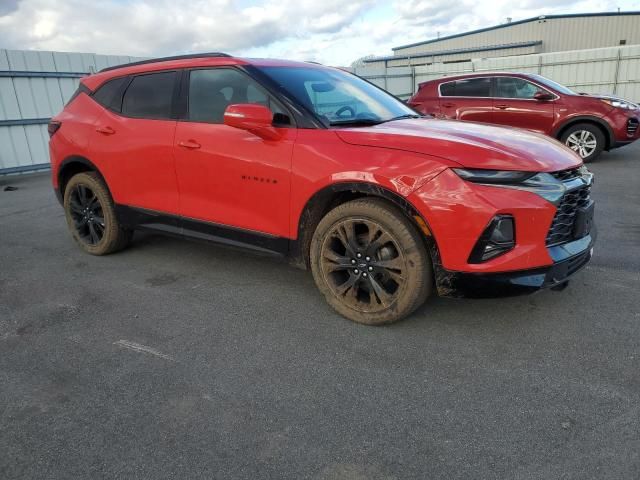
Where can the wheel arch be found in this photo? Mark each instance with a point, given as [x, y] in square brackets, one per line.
[336, 194]
[602, 124]
[73, 165]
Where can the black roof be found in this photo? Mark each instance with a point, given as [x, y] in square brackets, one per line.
[167, 59]
[518, 22]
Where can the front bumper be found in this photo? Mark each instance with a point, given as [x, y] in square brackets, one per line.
[568, 259]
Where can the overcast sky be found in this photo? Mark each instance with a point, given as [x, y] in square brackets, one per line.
[335, 32]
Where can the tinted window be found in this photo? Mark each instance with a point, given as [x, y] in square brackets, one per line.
[551, 84]
[511, 87]
[472, 87]
[149, 96]
[212, 91]
[109, 94]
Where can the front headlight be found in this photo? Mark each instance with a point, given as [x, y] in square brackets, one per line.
[499, 177]
[620, 104]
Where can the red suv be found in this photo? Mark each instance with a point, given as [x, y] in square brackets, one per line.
[588, 124]
[313, 163]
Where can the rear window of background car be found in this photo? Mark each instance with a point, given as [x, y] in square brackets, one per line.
[149, 96]
[472, 87]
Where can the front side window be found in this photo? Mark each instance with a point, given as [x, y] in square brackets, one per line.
[149, 96]
[511, 87]
[547, 82]
[211, 91]
[337, 97]
[467, 87]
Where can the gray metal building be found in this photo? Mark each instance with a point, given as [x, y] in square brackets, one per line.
[545, 34]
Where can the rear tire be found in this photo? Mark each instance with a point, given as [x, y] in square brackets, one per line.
[370, 262]
[91, 216]
[586, 139]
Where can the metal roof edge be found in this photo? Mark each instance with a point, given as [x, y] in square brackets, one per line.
[518, 22]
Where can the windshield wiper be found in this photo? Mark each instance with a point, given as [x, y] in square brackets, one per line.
[355, 121]
[402, 117]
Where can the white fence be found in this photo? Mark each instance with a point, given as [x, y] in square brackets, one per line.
[614, 70]
[34, 87]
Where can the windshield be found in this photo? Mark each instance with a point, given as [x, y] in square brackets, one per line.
[551, 84]
[337, 97]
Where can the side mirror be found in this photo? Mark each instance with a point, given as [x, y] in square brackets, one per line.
[542, 96]
[256, 119]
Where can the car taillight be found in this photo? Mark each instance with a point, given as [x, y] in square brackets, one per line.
[53, 127]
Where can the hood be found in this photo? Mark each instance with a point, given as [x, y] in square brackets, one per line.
[472, 145]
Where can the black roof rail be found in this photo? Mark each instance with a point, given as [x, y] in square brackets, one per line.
[167, 59]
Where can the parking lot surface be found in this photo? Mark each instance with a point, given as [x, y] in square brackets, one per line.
[176, 359]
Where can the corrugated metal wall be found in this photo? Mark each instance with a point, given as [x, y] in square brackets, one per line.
[557, 34]
[34, 86]
[602, 70]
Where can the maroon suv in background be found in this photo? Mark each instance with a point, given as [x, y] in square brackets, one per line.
[588, 124]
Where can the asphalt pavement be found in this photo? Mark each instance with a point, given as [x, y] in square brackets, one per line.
[183, 360]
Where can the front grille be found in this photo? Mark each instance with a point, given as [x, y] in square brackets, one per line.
[570, 174]
[632, 126]
[562, 225]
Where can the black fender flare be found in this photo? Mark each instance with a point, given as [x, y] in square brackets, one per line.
[69, 163]
[325, 199]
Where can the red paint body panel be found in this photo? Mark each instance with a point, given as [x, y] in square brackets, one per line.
[548, 117]
[468, 144]
[235, 178]
[218, 173]
[137, 161]
[459, 211]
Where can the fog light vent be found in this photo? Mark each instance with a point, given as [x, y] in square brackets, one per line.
[499, 237]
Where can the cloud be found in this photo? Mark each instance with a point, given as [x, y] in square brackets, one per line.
[330, 31]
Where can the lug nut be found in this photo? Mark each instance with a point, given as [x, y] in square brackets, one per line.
[364, 274]
[368, 259]
[356, 271]
[353, 261]
[359, 255]
[371, 269]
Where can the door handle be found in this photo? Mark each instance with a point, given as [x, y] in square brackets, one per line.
[448, 104]
[502, 106]
[106, 130]
[190, 144]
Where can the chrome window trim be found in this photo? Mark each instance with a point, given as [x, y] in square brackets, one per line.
[557, 97]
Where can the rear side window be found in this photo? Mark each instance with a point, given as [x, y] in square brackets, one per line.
[109, 95]
[472, 87]
[150, 96]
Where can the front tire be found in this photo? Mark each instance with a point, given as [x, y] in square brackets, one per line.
[586, 139]
[370, 262]
[91, 216]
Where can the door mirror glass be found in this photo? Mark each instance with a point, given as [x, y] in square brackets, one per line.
[542, 96]
[253, 118]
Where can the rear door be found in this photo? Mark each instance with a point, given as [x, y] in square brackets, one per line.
[514, 105]
[467, 99]
[133, 142]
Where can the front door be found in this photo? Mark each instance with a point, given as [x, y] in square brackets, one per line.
[514, 105]
[229, 176]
